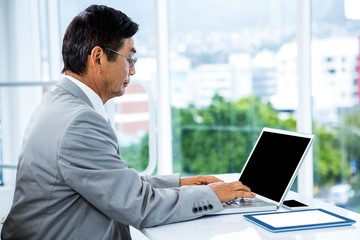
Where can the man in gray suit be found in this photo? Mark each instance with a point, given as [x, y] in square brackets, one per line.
[71, 181]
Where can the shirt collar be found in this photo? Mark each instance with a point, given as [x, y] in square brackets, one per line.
[94, 98]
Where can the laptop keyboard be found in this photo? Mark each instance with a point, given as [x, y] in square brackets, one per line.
[244, 201]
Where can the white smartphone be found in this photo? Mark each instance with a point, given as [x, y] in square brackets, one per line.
[293, 204]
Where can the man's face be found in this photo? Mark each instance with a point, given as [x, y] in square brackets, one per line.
[116, 74]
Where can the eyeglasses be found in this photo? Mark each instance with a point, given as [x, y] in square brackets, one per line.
[131, 61]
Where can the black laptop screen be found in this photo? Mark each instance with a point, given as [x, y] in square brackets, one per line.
[273, 163]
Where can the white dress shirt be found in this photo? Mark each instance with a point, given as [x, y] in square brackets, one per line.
[94, 98]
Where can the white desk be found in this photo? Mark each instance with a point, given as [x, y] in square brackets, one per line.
[234, 226]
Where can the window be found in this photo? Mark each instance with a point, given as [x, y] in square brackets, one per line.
[335, 105]
[21, 69]
[32, 63]
[239, 76]
[232, 70]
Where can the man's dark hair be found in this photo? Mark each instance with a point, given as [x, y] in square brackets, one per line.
[97, 25]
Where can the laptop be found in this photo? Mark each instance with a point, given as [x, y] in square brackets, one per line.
[270, 170]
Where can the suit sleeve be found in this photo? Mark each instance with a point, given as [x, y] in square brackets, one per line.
[163, 181]
[89, 162]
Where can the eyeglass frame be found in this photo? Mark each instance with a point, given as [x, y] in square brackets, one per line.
[130, 60]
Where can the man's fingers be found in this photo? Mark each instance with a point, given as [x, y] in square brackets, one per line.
[198, 180]
[210, 179]
[232, 190]
[244, 194]
[238, 186]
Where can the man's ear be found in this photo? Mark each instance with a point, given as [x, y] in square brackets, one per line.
[95, 57]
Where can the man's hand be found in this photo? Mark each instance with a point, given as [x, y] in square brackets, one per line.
[231, 191]
[199, 180]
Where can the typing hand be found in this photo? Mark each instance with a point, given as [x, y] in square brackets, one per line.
[199, 180]
[230, 191]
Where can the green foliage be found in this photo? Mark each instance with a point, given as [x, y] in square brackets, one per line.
[218, 139]
[137, 155]
[351, 135]
[335, 147]
[328, 159]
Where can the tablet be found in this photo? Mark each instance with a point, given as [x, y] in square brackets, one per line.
[298, 220]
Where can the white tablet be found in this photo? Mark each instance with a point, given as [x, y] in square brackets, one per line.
[298, 220]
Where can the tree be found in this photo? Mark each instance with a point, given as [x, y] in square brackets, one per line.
[351, 135]
[329, 168]
[218, 139]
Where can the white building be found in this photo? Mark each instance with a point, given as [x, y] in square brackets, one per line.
[334, 77]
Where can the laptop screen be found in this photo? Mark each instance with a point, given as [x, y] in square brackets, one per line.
[274, 161]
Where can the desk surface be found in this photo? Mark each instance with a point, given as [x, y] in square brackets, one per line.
[234, 226]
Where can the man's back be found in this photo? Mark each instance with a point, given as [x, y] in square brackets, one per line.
[48, 198]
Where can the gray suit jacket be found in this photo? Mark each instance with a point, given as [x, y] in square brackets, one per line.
[72, 184]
